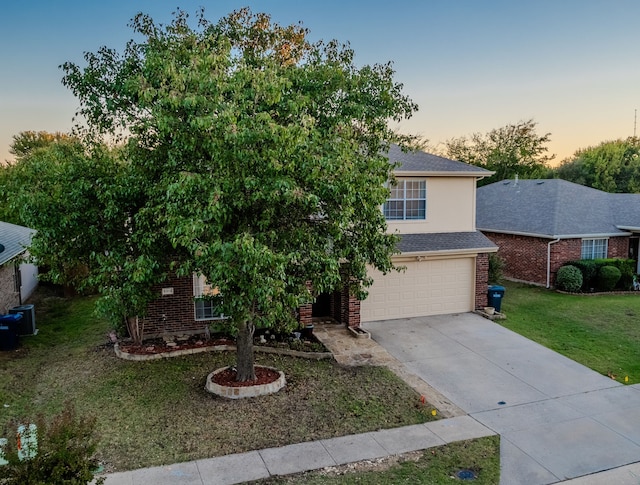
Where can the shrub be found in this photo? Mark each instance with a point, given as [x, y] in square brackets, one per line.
[627, 268]
[64, 453]
[496, 266]
[589, 270]
[569, 278]
[608, 277]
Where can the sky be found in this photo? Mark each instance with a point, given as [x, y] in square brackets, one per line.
[471, 66]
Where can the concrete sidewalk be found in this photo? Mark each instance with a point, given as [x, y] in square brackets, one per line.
[302, 457]
[557, 419]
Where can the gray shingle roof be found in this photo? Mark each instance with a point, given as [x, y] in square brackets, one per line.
[417, 161]
[444, 241]
[15, 240]
[554, 207]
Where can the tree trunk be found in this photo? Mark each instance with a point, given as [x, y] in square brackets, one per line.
[244, 357]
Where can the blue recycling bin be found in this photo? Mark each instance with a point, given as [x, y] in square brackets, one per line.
[495, 296]
[9, 331]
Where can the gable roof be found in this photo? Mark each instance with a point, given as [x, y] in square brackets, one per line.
[418, 162]
[15, 239]
[555, 208]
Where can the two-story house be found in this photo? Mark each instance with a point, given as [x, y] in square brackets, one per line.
[432, 207]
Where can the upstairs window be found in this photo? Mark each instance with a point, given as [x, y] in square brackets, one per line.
[407, 201]
[206, 298]
[594, 248]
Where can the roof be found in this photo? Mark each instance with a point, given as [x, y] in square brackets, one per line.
[444, 241]
[15, 240]
[555, 208]
[418, 161]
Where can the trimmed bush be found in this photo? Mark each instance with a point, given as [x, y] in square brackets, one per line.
[627, 268]
[589, 270]
[608, 277]
[569, 278]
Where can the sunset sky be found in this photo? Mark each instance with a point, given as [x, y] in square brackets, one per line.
[571, 65]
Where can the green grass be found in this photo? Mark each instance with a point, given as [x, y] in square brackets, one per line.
[599, 331]
[436, 466]
[157, 412]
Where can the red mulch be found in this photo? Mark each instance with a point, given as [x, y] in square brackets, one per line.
[227, 377]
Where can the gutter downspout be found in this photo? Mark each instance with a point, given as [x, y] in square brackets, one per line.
[549, 260]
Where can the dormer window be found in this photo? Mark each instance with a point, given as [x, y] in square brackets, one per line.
[407, 201]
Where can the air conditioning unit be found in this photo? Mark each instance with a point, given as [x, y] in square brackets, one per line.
[27, 325]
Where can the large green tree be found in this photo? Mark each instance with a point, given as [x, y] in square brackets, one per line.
[252, 157]
[24, 147]
[514, 149]
[612, 166]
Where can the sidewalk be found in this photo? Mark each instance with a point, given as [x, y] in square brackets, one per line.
[302, 457]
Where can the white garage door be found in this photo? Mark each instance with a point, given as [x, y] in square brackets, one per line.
[431, 287]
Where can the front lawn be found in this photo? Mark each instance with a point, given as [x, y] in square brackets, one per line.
[599, 331]
[157, 412]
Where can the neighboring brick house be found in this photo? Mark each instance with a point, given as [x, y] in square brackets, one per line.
[539, 225]
[446, 259]
[17, 278]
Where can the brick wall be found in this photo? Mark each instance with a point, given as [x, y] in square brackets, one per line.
[525, 257]
[482, 280]
[173, 314]
[8, 296]
[618, 247]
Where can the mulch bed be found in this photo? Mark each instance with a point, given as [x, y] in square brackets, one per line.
[227, 377]
[158, 345]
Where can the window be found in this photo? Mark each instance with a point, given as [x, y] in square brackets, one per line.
[594, 248]
[407, 201]
[205, 299]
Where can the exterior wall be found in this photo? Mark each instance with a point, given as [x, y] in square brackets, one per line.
[172, 314]
[525, 257]
[482, 280]
[9, 297]
[618, 247]
[175, 314]
[451, 204]
[28, 280]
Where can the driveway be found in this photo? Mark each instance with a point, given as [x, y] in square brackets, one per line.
[557, 419]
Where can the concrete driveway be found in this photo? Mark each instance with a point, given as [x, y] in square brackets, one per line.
[557, 419]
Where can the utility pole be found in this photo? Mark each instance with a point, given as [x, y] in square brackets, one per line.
[635, 121]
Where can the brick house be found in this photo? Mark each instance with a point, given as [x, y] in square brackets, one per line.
[432, 208]
[539, 225]
[18, 279]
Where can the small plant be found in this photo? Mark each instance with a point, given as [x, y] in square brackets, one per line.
[64, 453]
[569, 278]
[608, 277]
[496, 267]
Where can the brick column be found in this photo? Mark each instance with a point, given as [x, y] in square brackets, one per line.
[482, 279]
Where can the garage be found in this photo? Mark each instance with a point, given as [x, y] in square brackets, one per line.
[428, 287]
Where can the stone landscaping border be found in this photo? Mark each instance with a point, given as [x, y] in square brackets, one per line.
[240, 392]
[213, 348]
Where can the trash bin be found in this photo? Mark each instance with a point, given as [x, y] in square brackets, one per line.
[494, 296]
[9, 331]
